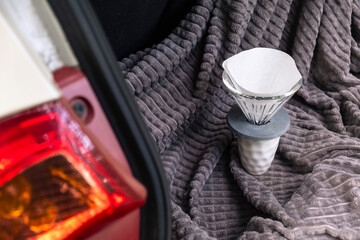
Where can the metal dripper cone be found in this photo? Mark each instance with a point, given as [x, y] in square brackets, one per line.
[261, 81]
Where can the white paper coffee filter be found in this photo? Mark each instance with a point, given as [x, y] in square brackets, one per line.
[262, 72]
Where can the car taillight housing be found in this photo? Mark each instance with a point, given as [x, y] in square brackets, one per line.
[55, 181]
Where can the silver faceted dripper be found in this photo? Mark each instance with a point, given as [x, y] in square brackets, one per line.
[261, 81]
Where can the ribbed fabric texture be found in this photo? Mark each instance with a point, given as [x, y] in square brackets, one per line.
[312, 189]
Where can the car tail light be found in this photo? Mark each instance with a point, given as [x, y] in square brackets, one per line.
[55, 181]
[76, 89]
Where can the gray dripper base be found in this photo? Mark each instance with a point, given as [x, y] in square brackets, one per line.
[257, 143]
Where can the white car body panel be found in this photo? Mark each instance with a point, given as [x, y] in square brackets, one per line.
[25, 81]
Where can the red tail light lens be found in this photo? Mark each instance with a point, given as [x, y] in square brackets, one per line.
[54, 182]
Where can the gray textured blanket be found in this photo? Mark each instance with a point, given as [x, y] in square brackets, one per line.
[312, 190]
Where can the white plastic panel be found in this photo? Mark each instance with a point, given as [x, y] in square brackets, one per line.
[55, 32]
[25, 81]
